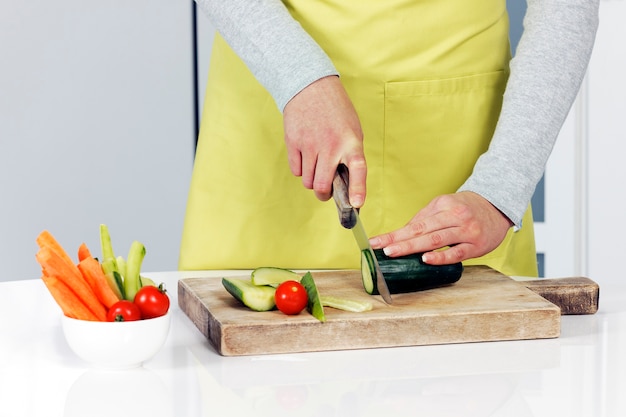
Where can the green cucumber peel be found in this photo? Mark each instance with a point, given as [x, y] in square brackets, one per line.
[113, 277]
[314, 305]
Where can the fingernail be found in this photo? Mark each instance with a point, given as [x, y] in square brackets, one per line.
[356, 201]
[389, 250]
[425, 258]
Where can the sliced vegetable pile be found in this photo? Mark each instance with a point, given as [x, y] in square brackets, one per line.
[110, 290]
[269, 288]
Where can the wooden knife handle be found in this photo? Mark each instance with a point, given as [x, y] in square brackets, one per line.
[346, 212]
[575, 295]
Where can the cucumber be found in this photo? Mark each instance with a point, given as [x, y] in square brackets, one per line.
[136, 253]
[407, 273]
[107, 248]
[269, 275]
[121, 265]
[114, 278]
[314, 305]
[255, 297]
[145, 281]
[368, 272]
[345, 304]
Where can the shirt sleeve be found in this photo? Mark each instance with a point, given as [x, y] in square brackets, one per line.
[546, 74]
[274, 46]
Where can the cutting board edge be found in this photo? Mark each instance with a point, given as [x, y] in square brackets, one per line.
[228, 348]
[203, 319]
[321, 337]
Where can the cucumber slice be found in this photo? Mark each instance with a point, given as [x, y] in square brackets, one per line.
[315, 305]
[255, 297]
[345, 304]
[368, 272]
[268, 275]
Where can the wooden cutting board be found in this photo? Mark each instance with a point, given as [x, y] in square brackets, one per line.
[484, 305]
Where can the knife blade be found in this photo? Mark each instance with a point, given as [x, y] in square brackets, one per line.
[349, 218]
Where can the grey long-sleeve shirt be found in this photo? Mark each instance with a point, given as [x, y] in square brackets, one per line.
[546, 73]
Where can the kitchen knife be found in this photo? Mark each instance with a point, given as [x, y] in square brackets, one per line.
[349, 218]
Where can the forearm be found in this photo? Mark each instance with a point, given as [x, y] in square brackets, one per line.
[276, 49]
[546, 74]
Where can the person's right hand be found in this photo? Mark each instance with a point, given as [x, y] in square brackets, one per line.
[323, 130]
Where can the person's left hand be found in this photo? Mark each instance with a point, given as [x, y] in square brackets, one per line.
[466, 222]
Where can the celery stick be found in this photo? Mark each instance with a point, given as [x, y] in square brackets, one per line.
[134, 259]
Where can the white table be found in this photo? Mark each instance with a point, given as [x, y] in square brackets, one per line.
[582, 373]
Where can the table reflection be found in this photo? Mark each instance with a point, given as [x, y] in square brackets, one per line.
[128, 393]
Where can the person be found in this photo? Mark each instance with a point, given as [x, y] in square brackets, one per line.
[444, 134]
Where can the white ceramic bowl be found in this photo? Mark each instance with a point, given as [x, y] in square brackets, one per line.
[116, 345]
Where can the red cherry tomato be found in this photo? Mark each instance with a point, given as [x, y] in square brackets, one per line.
[123, 310]
[291, 297]
[152, 301]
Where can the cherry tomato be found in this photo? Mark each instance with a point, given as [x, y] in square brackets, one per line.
[152, 301]
[124, 310]
[291, 297]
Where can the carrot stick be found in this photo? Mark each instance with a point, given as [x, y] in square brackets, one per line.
[83, 252]
[55, 265]
[69, 302]
[45, 239]
[92, 272]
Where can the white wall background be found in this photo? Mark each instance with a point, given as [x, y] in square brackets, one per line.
[605, 245]
[96, 126]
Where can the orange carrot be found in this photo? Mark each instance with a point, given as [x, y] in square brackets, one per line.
[55, 265]
[45, 239]
[83, 252]
[69, 302]
[92, 272]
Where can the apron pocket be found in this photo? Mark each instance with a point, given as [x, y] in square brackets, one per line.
[434, 131]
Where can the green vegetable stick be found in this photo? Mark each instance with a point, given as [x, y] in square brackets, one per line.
[146, 281]
[113, 277]
[345, 304]
[107, 248]
[135, 257]
[315, 305]
[121, 265]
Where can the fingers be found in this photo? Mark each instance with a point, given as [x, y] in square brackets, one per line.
[295, 161]
[450, 229]
[357, 169]
[420, 236]
[322, 129]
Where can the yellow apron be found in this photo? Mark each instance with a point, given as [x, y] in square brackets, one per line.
[426, 78]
